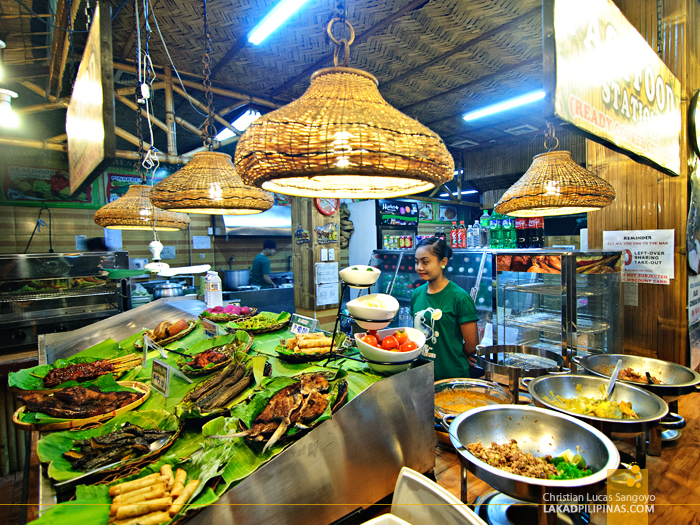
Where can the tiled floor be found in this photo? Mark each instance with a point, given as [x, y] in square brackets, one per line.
[10, 499]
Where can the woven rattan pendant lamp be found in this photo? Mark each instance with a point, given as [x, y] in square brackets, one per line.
[342, 139]
[555, 185]
[133, 211]
[209, 184]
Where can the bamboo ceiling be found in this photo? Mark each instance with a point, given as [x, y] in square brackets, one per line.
[434, 59]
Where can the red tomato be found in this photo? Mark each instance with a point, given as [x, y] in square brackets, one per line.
[389, 342]
[408, 347]
[401, 337]
[370, 340]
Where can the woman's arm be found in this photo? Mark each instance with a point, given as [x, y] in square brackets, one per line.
[471, 339]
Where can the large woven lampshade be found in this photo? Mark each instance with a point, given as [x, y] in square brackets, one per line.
[342, 139]
[555, 185]
[209, 184]
[133, 211]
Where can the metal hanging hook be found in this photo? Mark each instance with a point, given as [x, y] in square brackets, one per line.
[550, 141]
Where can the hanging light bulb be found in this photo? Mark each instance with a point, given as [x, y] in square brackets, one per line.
[133, 211]
[555, 185]
[342, 139]
[8, 118]
[209, 184]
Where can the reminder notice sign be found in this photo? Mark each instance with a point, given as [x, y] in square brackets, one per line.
[648, 254]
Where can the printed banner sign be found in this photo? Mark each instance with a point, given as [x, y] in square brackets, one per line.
[648, 254]
[44, 186]
[398, 213]
[611, 84]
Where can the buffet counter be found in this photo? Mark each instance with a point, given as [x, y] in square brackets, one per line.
[347, 462]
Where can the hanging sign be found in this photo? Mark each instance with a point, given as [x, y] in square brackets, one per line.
[608, 82]
[301, 235]
[302, 325]
[398, 213]
[326, 234]
[90, 117]
[648, 254]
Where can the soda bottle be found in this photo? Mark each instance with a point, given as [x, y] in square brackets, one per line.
[443, 235]
[453, 235]
[495, 230]
[521, 232]
[508, 239]
[536, 232]
[462, 235]
[484, 229]
[477, 235]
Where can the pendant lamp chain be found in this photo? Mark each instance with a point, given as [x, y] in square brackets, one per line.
[209, 131]
[340, 15]
[138, 165]
[550, 141]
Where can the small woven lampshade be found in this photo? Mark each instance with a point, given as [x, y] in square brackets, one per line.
[342, 139]
[209, 185]
[133, 211]
[555, 185]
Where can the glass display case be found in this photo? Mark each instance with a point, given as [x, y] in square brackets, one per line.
[470, 269]
[568, 302]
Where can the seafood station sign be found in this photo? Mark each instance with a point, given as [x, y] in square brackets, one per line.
[648, 254]
[610, 84]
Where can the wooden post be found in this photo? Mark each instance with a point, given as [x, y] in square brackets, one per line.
[305, 257]
[170, 113]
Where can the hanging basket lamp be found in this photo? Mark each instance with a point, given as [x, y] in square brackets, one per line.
[133, 211]
[555, 185]
[342, 139]
[209, 184]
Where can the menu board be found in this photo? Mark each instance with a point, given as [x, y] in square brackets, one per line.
[398, 213]
[40, 186]
[608, 82]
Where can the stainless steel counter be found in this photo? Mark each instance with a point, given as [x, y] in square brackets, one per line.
[269, 299]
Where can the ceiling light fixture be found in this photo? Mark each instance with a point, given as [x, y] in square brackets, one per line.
[133, 211]
[209, 184]
[503, 106]
[467, 192]
[241, 124]
[275, 18]
[341, 139]
[555, 185]
[8, 118]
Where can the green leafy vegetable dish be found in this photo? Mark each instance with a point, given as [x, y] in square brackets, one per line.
[264, 321]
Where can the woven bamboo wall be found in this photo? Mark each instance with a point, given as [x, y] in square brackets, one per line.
[647, 199]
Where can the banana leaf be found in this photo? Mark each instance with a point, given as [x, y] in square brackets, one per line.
[232, 343]
[33, 378]
[91, 505]
[105, 383]
[52, 447]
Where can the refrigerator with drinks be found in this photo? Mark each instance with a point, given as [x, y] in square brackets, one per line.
[397, 224]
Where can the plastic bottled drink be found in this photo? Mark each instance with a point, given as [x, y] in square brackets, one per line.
[454, 242]
[212, 290]
[484, 229]
[495, 230]
[521, 232]
[536, 227]
[477, 235]
[443, 235]
[463, 235]
[508, 236]
[470, 237]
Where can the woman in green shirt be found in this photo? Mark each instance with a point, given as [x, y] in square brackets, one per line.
[444, 312]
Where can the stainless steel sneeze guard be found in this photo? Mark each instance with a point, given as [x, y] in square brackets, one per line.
[349, 461]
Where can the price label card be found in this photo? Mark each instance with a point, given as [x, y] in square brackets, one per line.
[211, 329]
[302, 325]
[160, 377]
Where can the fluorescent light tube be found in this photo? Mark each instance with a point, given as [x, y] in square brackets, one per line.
[508, 104]
[241, 124]
[274, 19]
[466, 192]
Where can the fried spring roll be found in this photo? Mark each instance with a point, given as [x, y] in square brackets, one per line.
[159, 492]
[149, 519]
[167, 471]
[136, 484]
[180, 478]
[144, 507]
[314, 342]
[137, 493]
[184, 497]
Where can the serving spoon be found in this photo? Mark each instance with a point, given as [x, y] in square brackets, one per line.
[151, 448]
[613, 378]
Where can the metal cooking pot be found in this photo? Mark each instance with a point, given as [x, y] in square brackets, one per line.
[167, 290]
[649, 407]
[539, 432]
[678, 379]
[234, 279]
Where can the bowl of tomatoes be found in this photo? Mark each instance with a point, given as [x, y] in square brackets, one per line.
[391, 345]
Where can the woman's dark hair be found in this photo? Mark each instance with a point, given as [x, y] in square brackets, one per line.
[437, 246]
[269, 244]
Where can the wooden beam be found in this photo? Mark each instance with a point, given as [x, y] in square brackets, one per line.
[15, 73]
[130, 138]
[217, 145]
[240, 44]
[44, 106]
[131, 40]
[204, 108]
[33, 143]
[59, 47]
[59, 138]
[131, 104]
[171, 130]
[416, 4]
[232, 107]
[189, 127]
[471, 43]
[36, 89]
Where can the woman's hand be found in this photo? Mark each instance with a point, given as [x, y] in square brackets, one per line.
[470, 334]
